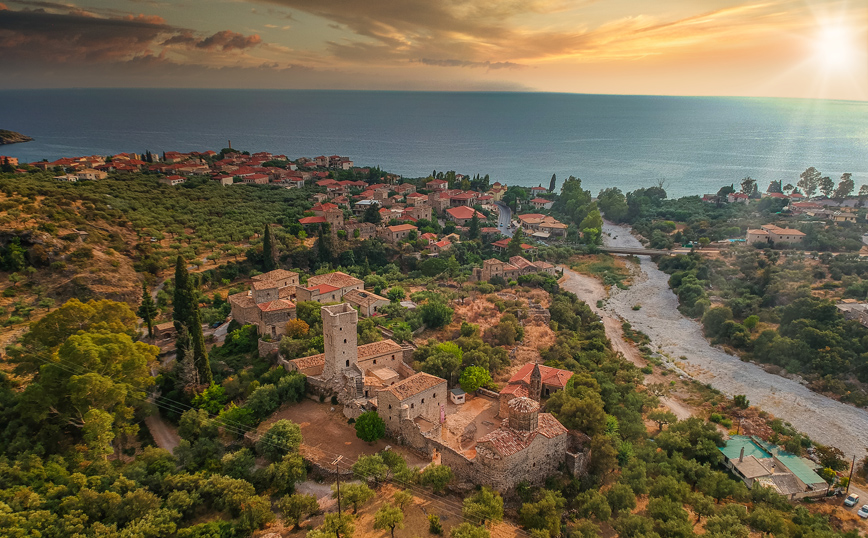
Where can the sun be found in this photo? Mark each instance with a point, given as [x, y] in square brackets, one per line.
[835, 47]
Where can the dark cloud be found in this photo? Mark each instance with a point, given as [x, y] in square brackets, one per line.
[39, 37]
[466, 63]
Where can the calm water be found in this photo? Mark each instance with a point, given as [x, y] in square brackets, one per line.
[694, 144]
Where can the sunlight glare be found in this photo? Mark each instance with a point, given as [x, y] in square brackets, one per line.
[834, 47]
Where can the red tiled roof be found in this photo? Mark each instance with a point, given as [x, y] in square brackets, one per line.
[402, 228]
[312, 220]
[540, 201]
[273, 306]
[550, 376]
[444, 243]
[506, 441]
[464, 212]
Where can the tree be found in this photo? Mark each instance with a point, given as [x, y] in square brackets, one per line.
[186, 312]
[612, 204]
[621, 498]
[389, 517]
[338, 525]
[396, 294]
[845, 187]
[282, 438]
[468, 530]
[373, 466]
[553, 183]
[741, 401]
[372, 214]
[296, 328]
[282, 476]
[15, 278]
[402, 498]
[354, 494]
[809, 181]
[591, 227]
[148, 310]
[662, 418]
[514, 248]
[435, 314]
[473, 229]
[370, 427]
[483, 506]
[827, 186]
[544, 514]
[748, 186]
[437, 477]
[296, 507]
[474, 377]
[269, 250]
[775, 187]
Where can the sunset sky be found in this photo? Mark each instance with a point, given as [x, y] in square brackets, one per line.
[784, 48]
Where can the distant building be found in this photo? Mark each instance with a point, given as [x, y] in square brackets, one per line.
[173, 180]
[769, 233]
[462, 215]
[757, 462]
[393, 234]
[542, 203]
[328, 288]
[267, 305]
[367, 302]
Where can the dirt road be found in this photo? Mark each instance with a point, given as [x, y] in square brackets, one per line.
[164, 435]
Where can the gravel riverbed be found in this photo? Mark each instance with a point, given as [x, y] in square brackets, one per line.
[823, 419]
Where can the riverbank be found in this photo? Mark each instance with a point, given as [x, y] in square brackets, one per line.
[672, 334]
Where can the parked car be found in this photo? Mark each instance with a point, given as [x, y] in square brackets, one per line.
[851, 500]
[863, 512]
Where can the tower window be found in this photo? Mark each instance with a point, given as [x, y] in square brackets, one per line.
[423, 400]
[345, 340]
[348, 363]
[412, 406]
[375, 361]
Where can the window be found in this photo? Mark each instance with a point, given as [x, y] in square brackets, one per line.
[412, 406]
[423, 400]
[345, 340]
[390, 406]
[375, 361]
[348, 363]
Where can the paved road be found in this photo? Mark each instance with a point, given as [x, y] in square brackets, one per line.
[504, 219]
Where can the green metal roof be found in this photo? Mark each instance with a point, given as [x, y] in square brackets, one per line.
[802, 468]
[734, 444]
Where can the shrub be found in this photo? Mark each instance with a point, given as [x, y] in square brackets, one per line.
[434, 526]
[370, 427]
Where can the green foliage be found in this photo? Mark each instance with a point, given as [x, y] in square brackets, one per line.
[483, 506]
[434, 526]
[370, 427]
[282, 438]
[474, 377]
[295, 508]
[544, 514]
[435, 314]
[468, 530]
[354, 494]
[437, 477]
[389, 517]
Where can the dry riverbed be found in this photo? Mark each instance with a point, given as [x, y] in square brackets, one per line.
[823, 419]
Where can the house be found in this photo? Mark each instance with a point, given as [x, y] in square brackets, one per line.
[417, 212]
[311, 220]
[11, 161]
[840, 216]
[854, 310]
[439, 246]
[437, 185]
[255, 179]
[769, 233]
[71, 178]
[462, 215]
[320, 209]
[457, 396]
[420, 396]
[542, 203]
[164, 331]
[173, 180]
[737, 197]
[91, 174]
[516, 267]
[466, 198]
[267, 304]
[757, 462]
[534, 381]
[394, 234]
[328, 288]
[500, 246]
[414, 198]
[368, 303]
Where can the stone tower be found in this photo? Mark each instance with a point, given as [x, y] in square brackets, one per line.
[339, 325]
[535, 389]
[523, 414]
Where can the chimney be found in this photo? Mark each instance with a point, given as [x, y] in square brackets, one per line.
[230, 144]
[741, 455]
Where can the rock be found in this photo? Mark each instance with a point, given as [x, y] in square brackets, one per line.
[11, 137]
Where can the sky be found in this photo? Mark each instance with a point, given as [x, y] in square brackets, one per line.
[773, 48]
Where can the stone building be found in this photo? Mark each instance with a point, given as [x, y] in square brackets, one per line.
[393, 234]
[419, 399]
[516, 267]
[769, 233]
[534, 381]
[328, 288]
[267, 305]
[368, 303]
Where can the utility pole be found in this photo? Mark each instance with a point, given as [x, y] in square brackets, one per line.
[850, 478]
[336, 463]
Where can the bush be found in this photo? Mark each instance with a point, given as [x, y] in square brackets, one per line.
[282, 438]
[370, 427]
[434, 525]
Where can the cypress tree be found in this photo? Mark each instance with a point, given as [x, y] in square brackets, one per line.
[473, 231]
[269, 253]
[552, 184]
[186, 312]
[148, 310]
[513, 248]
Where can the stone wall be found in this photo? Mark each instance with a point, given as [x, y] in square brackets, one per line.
[268, 348]
[425, 404]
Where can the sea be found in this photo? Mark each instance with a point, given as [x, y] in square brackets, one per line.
[693, 145]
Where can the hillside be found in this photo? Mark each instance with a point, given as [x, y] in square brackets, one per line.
[11, 137]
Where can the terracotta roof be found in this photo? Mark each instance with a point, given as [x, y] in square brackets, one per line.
[310, 361]
[274, 306]
[502, 243]
[506, 441]
[416, 195]
[523, 405]
[414, 384]
[543, 189]
[242, 300]
[520, 262]
[402, 228]
[311, 220]
[365, 298]
[757, 232]
[464, 212]
[322, 288]
[165, 326]
[442, 244]
[550, 376]
[323, 207]
[337, 279]
[516, 389]
[541, 201]
[259, 285]
[277, 274]
[367, 351]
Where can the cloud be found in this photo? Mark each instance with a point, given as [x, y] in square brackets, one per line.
[40, 37]
[466, 63]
